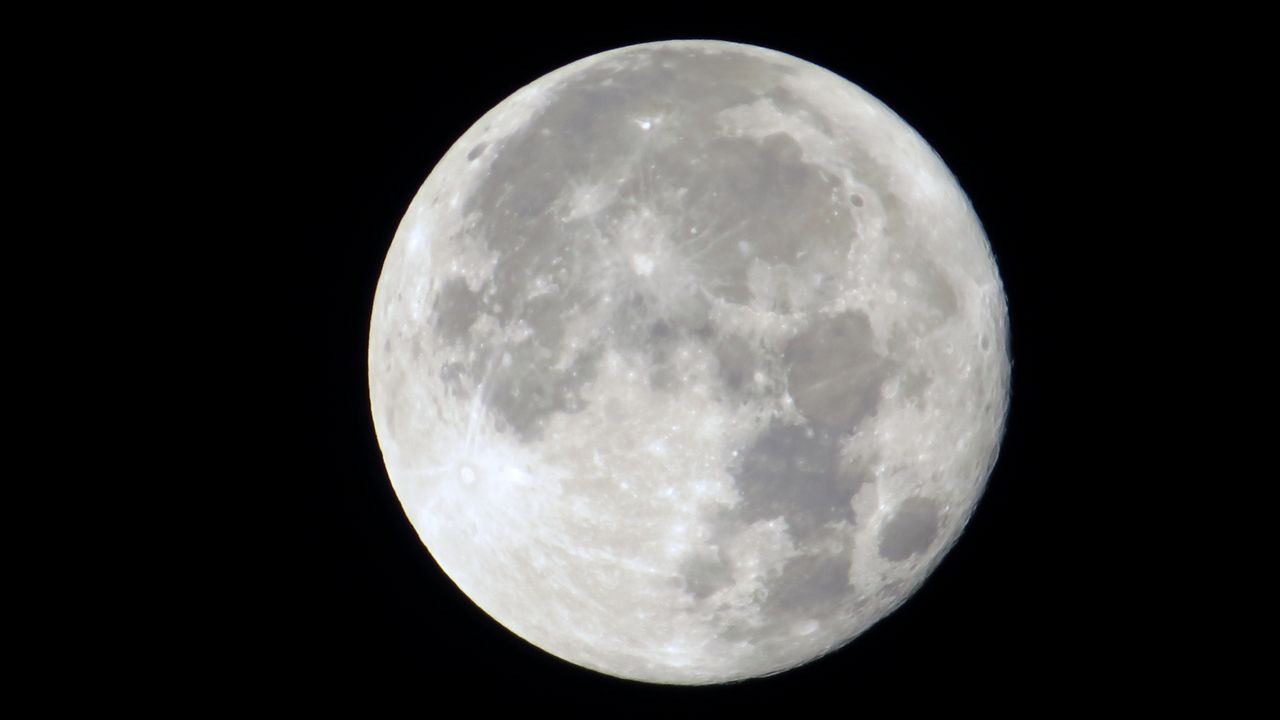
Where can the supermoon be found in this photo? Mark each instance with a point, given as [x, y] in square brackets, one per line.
[689, 362]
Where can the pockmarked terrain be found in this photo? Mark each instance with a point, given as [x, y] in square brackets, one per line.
[689, 362]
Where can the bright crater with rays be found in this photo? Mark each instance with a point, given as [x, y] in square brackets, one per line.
[689, 362]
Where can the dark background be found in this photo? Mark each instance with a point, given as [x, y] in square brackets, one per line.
[344, 122]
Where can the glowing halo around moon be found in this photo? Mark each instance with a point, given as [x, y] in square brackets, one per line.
[689, 362]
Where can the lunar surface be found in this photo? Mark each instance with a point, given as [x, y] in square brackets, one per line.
[689, 362]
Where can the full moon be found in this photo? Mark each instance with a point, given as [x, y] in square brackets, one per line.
[689, 362]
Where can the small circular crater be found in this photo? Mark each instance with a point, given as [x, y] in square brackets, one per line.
[642, 264]
[856, 199]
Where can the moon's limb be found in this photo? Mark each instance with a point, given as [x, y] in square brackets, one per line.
[689, 362]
